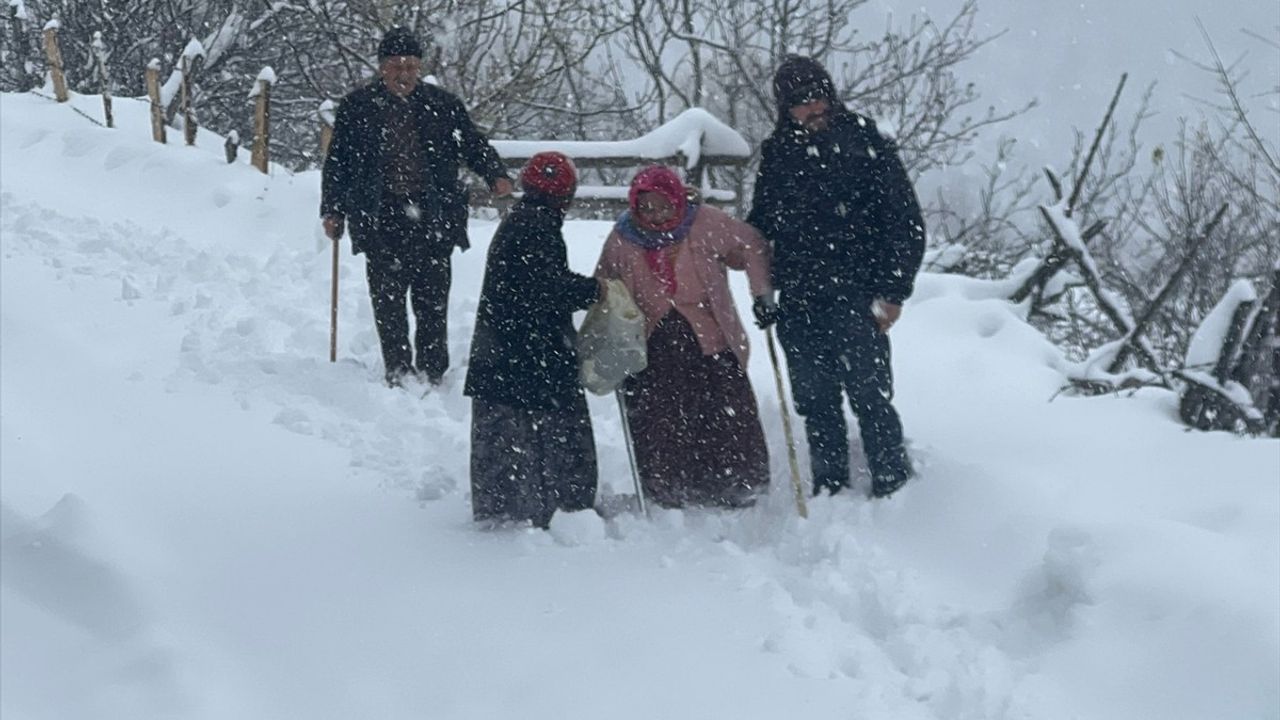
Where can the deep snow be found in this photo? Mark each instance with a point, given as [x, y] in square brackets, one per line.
[203, 518]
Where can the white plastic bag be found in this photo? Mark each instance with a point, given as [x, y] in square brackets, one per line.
[611, 342]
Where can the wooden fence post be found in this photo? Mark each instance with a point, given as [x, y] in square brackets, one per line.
[100, 54]
[19, 18]
[153, 92]
[260, 156]
[232, 146]
[189, 125]
[326, 115]
[54, 55]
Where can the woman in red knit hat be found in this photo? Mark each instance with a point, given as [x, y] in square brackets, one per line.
[532, 449]
[693, 415]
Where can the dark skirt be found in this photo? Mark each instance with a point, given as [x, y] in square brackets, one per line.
[694, 423]
[526, 463]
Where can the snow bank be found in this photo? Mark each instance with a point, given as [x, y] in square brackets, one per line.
[273, 535]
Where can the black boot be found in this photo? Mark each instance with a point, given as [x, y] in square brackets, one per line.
[830, 486]
[882, 486]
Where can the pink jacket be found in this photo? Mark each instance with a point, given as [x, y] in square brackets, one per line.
[715, 241]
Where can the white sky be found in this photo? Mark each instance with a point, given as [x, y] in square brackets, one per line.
[1070, 55]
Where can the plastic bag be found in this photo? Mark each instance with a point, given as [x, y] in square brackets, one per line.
[611, 342]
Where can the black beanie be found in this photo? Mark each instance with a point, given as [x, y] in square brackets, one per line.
[399, 41]
[800, 79]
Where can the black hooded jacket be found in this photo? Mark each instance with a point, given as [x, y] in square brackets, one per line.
[523, 350]
[352, 182]
[837, 205]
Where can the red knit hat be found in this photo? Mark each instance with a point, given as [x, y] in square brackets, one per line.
[550, 173]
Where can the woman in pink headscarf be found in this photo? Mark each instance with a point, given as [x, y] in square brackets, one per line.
[693, 416]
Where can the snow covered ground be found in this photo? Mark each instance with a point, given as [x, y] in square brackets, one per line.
[203, 518]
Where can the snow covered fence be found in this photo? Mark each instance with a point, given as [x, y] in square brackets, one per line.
[153, 93]
[261, 93]
[695, 141]
[54, 55]
[100, 54]
[192, 54]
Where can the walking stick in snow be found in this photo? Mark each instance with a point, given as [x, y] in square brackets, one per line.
[631, 453]
[333, 305]
[801, 506]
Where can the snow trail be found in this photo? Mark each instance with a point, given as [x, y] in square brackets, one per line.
[268, 534]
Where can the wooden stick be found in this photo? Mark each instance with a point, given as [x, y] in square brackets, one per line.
[231, 147]
[801, 506]
[333, 305]
[262, 127]
[54, 55]
[153, 92]
[188, 117]
[325, 113]
[100, 61]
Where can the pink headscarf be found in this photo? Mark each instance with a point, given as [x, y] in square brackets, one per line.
[666, 183]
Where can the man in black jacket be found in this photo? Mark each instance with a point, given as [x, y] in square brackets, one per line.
[835, 202]
[392, 170]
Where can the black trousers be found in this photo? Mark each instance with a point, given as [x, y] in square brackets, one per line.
[409, 261]
[830, 355]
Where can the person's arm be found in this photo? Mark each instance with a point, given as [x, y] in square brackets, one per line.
[747, 250]
[540, 274]
[479, 154]
[764, 204]
[901, 227]
[607, 266]
[768, 212]
[335, 179]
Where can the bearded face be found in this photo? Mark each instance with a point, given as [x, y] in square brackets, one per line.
[814, 115]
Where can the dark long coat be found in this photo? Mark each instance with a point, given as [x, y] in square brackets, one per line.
[840, 213]
[352, 180]
[523, 351]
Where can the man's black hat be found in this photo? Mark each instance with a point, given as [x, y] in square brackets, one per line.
[800, 80]
[399, 41]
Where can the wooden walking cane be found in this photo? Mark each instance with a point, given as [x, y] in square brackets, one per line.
[801, 506]
[333, 305]
[326, 140]
[631, 453]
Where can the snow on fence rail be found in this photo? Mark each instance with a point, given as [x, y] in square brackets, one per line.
[694, 140]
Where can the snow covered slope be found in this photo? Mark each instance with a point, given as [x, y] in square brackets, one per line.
[203, 518]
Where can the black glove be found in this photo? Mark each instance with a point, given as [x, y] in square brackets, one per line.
[766, 311]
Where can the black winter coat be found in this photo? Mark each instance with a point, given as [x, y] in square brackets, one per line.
[840, 212]
[352, 182]
[523, 351]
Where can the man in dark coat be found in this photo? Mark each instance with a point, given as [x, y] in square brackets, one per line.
[392, 170]
[835, 202]
[532, 450]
